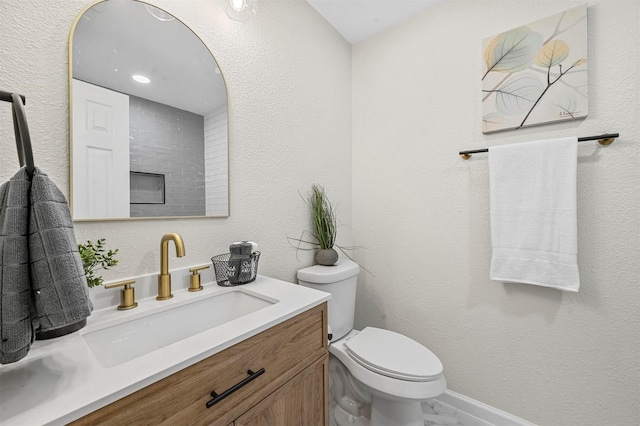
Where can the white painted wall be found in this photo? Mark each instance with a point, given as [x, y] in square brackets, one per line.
[289, 84]
[549, 357]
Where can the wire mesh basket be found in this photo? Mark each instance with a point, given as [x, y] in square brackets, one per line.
[231, 272]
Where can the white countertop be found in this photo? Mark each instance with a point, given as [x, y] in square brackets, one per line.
[60, 380]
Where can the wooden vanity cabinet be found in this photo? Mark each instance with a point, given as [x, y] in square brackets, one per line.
[293, 390]
[298, 403]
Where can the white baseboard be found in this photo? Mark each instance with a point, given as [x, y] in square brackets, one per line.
[480, 413]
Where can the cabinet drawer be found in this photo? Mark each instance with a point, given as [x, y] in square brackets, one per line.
[302, 401]
[283, 351]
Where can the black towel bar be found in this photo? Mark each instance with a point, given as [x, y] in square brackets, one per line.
[606, 139]
[6, 97]
[21, 129]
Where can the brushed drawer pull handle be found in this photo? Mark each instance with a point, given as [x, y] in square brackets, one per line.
[217, 398]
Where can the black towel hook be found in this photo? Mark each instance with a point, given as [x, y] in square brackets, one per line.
[21, 130]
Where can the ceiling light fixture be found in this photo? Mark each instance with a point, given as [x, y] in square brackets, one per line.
[141, 78]
[238, 5]
[241, 10]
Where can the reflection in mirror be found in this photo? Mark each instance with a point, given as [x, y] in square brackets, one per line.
[149, 117]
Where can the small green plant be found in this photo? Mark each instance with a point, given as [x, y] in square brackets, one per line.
[325, 225]
[323, 221]
[94, 258]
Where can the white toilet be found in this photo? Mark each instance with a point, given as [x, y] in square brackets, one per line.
[376, 376]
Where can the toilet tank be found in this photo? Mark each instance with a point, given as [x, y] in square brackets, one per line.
[341, 281]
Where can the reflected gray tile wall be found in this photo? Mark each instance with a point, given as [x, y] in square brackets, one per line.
[146, 188]
[168, 141]
[216, 160]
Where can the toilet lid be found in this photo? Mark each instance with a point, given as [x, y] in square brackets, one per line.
[393, 355]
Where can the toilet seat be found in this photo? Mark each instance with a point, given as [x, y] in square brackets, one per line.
[379, 383]
[393, 355]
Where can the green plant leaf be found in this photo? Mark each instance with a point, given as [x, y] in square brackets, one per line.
[94, 258]
[323, 217]
[512, 51]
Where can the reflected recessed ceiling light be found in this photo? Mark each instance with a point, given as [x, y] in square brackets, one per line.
[159, 14]
[141, 78]
[241, 10]
[238, 5]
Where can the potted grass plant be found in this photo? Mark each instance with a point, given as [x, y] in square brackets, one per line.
[325, 226]
[322, 237]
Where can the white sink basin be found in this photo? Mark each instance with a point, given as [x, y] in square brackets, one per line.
[115, 344]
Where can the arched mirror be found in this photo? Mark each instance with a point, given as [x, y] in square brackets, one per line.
[148, 107]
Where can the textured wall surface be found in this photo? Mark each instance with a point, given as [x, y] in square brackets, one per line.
[289, 82]
[422, 213]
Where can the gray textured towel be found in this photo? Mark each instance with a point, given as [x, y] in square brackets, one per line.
[42, 281]
[16, 328]
[58, 283]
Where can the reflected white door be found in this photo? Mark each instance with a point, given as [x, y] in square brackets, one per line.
[100, 156]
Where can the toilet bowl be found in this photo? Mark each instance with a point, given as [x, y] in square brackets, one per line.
[377, 376]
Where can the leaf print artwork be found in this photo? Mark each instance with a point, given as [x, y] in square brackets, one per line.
[519, 94]
[565, 103]
[512, 51]
[492, 120]
[537, 73]
[552, 53]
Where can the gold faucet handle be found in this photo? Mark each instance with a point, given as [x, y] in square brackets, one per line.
[194, 278]
[198, 268]
[126, 284]
[127, 295]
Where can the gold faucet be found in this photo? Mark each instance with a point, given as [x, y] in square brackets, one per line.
[164, 279]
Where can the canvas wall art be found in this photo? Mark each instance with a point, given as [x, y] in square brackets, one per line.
[537, 73]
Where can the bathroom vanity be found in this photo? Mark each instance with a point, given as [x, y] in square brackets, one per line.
[267, 366]
[292, 389]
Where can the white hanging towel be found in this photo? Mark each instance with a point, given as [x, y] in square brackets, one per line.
[533, 213]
